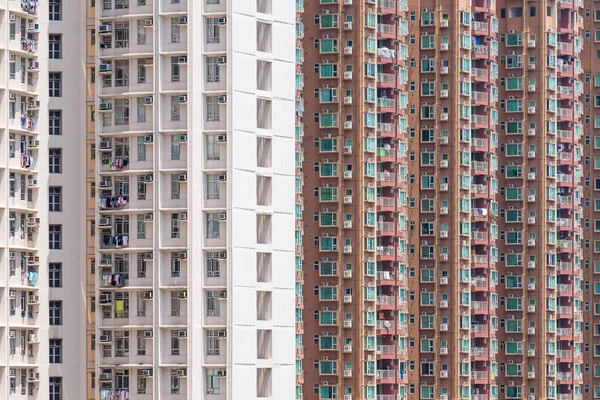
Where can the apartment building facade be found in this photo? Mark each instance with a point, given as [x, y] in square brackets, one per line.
[25, 253]
[195, 185]
[477, 265]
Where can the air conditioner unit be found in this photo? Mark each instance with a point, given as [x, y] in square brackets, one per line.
[183, 255]
[148, 22]
[148, 217]
[12, 57]
[105, 145]
[182, 334]
[182, 177]
[148, 139]
[105, 106]
[33, 182]
[12, 18]
[105, 68]
[105, 339]
[348, 75]
[145, 372]
[182, 294]
[221, 138]
[104, 29]
[222, 99]
[33, 65]
[221, 60]
[34, 376]
[104, 222]
[182, 60]
[182, 99]
[182, 216]
[182, 138]
[222, 216]
[12, 97]
[444, 70]
[348, 50]
[221, 21]
[182, 372]
[148, 296]
[222, 177]
[12, 255]
[182, 21]
[148, 100]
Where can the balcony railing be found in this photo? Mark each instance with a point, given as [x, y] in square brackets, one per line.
[479, 119]
[479, 189]
[479, 235]
[387, 28]
[385, 127]
[385, 177]
[386, 201]
[386, 78]
[386, 102]
[480, 72]
[564, 222]
[564, 112]
[480, 374]
[564, 46]
[564, 90]
[479, 329]
[480, 26]
[385, 250]
[479, 259]
[386, 301]
[564, 332]
[385, 226]
[566, 68]
[478, 142]
[564, 353]
[568, 178]
[479, 165]
[564, 200]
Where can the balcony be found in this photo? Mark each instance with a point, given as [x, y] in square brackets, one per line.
[479, 351]
[386, 350]
[479, 259]
[386, 177]
[564, 222]
[385, 374]
[480, 166]
[386, 202]
[480, 73]
[386, 226]
[386, 301]
[564, 332]
[387, 80]
[387, 29]
[480, 375]
[479, 189]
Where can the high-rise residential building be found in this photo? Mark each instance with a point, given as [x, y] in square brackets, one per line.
[195, 184]
[472, 289]
[299, 196]
[354, 199]
[41, 206]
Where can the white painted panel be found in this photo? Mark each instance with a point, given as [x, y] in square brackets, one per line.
[244, 153]
[243, 305]
[284, 270]
[243, 379]
[284, 346]
[243, 72]
[244, 189]
[283, 231]
[284, 87]
[284, 48]
[243, 233]
[243, 112]
[244, 273]
[284, 194]
[244, 344]
[282, 126]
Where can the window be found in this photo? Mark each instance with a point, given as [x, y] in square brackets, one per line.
[55, 351]
[121, 34]
[213, 304]
[55, 14]
[55, 275]
[141, 228]
[141, 32]
[212, 226]
[213, 189]
[174, 382]
[175, 30]
[213, 148]
[55, 388]
[54, 198]
[175, 108]
[121, 73]
[213, 73]
[54, 83]
[54, 164]
[212, 108]
[141, 148]
[175, 265]
[54, 46]
[55, 312]
[213, 266]
[175, 304]
[175, 70]
[175, 148]
[175, 226]
[55, 118]
[175, 344]
[213, 376]
[175, 187]
[213, 342]
[55, 237]
[121, 111]
[141, 110]
[142, 62]
[213, 31]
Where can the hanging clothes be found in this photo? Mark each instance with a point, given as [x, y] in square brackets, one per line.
[32, 276]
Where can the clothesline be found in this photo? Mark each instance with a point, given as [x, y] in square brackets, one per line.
[117, 240]
[109, 394]
[29, 45]
[30, 6]
[112, 201]
[28, 122]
